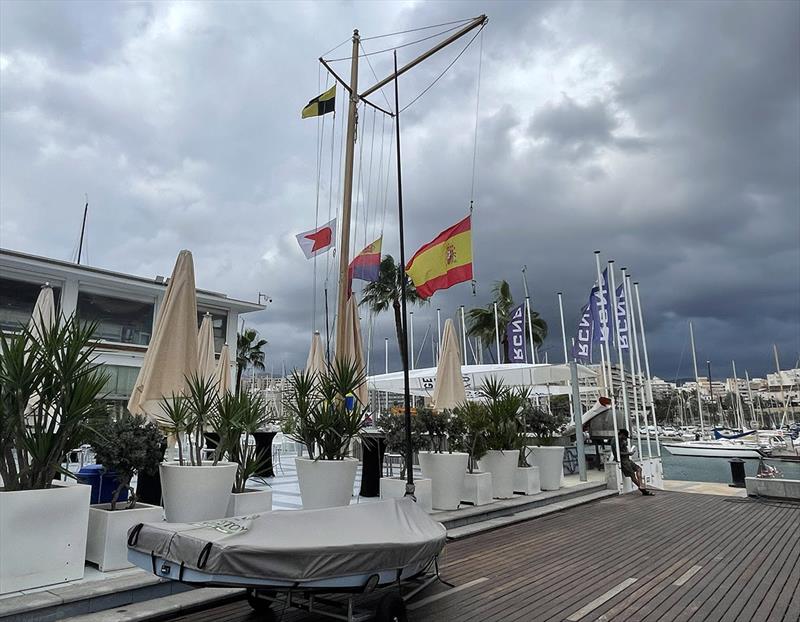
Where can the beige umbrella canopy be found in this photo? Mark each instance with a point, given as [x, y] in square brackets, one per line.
[353, 349]
[222, 373]
[316, 356]
[172, 354]
[44, 312]
[206, 362]
[449, 390]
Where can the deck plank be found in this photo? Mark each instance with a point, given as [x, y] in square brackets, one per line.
[550, 568]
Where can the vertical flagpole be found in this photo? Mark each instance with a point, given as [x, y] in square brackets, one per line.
[386, 366]
[563, 330]
[604, 351]
[344, 246]
[411, 336]
[403, 279]
[530, 327]
[439, 336]
[480, 351]
[83, 230]
[497, 335]
[631, 337]
[647, 365]
[620, 358]
[464, 333]
[529, 305]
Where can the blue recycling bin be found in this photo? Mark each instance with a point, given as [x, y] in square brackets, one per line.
[103, 484]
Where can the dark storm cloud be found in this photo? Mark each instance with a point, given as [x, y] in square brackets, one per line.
[665, 134]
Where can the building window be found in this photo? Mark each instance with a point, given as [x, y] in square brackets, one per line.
[17, 299]
[120, 382]
[219, 320]
[118, 320]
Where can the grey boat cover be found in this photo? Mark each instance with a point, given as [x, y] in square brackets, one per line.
[300, 545]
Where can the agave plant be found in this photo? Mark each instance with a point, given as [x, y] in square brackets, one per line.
[322, 411]
[504, 413]
[50, 387]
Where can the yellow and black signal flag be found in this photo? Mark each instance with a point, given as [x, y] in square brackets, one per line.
[322, 104]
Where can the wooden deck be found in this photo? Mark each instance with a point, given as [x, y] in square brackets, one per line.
[672, 557]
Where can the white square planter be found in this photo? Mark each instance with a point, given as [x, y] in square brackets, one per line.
[107, 541]
[526, 481]
[395, 488]
[477, 488]
[250, 502]
[43, 536]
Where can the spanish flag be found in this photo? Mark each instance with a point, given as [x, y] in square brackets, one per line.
[322, 104]
[444, 261]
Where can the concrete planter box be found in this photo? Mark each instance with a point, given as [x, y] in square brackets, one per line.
[477, 488]
[773, 487]
[107, 540]
[250, 502]
[502, 465]
[395, 488]
[196, 493]
[526, 481]
[550, 461]
[446, 472]
[42, 536]
[326, 483]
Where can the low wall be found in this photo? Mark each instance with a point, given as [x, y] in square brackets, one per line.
[776, 488]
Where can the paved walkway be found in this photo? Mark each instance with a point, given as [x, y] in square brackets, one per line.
[669, 558]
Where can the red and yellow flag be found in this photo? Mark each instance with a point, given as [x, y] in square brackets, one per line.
[444, 261]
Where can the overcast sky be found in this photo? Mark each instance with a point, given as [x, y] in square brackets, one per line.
[666, 134]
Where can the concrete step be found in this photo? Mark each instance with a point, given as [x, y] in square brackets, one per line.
[164, 607]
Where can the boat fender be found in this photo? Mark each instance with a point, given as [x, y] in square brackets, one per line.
[203, 557]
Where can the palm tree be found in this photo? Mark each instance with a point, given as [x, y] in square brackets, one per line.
[385, 292]
[248, 352]
[481, 320]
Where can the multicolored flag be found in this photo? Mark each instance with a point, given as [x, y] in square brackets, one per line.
[444, 261]
[622, 317]
[321, 104]
[582, 345]
[515, 333]
[366, 266]
[317, 241]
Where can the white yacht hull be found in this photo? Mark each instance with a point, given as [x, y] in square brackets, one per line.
[709, 450]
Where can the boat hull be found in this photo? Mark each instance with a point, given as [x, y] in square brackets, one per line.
[708, 451]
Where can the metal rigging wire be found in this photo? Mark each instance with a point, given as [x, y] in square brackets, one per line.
[403, 32]
[397, 47]
[446, 69]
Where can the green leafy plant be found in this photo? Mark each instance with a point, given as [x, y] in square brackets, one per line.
[49, 390]
[317, 412]
[544, 424]
[394, 426]
[505, 406]
[128, 446]
[474, 418]
[190, 416]
[443, 430]
[236, 419]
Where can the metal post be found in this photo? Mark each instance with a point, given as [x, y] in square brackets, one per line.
[621, 360]
[647, 365]
[344, 223]
[497, 334]
[697, 382]
[711, 394]
[438, 349]
[386, 365]
[563, 330]
[464, 334]
[530, 327]
[411, 336]
[631, 337]
[577, 414]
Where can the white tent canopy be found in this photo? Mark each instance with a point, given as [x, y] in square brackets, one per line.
[536, 377]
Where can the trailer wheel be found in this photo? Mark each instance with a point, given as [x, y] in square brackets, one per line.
[260, 605]
[391, 608]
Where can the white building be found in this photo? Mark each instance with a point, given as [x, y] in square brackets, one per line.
[123, 306]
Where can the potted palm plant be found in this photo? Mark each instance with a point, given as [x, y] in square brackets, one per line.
[49, 387]
[394, 426]
[504, 408]
[193, 488]
[236, 419]
[477, 488]
[320, 416]
[127, 446]
[544, 425]
[443, 463]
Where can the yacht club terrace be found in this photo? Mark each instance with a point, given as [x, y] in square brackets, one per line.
[125, 307]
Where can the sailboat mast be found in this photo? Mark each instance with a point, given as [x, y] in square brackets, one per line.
[347, 201]
[83, 229]
[697, 381]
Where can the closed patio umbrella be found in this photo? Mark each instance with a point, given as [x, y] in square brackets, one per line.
[353, 349]
[44, 312]
[316, 357]
[171, 356]
[206, 362]
[222, 372]
[449, 389]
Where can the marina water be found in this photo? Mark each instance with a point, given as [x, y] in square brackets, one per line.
[696, 469]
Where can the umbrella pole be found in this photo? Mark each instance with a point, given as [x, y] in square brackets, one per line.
[404, 353]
